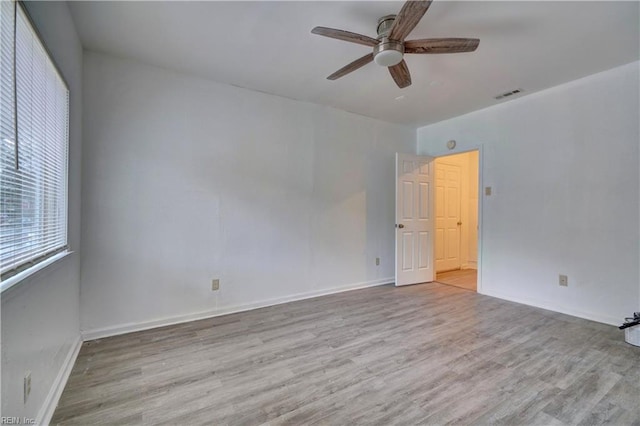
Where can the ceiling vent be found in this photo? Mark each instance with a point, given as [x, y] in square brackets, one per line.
[507, 94]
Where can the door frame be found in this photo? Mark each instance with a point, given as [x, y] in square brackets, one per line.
[481, 197]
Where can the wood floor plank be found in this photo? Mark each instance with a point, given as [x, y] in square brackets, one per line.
[424, 354]
[463, 278]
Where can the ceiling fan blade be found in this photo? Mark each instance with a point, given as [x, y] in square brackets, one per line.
[408, 18]
[441, 45]
[358, 63]
[345, 36]
[400, 74]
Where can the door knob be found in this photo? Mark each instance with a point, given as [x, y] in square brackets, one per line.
[459, 223]
[400, 226]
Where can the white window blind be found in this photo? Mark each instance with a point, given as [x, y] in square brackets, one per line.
[34, 147]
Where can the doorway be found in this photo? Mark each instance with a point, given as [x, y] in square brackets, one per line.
[456, 219]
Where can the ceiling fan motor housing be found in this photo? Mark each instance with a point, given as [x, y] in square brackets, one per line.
[384, 25]
[387, 52]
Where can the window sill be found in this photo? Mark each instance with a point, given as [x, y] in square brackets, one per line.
[10, 282]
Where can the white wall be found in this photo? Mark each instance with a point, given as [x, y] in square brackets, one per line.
[186, 180]
[40, 315]
[563, 164]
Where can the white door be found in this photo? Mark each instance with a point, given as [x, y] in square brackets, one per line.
[414, 219]
[448, 216]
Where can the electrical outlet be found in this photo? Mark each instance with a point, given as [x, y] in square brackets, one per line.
[563, 280]
[27, 385]
[215, 285]
[377, 261]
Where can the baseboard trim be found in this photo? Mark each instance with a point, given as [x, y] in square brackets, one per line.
[177, 319]
[51, 402]
[605, 319]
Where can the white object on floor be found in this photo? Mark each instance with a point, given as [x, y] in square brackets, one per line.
[632, 335]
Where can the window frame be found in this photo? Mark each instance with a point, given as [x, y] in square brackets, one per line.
[14, 276]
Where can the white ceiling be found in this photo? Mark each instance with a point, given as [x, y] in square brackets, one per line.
[267, 46]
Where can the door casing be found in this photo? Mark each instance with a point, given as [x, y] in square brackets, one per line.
[481, 200]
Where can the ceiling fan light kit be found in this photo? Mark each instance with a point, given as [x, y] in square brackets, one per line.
[390, 46]
[388, 53]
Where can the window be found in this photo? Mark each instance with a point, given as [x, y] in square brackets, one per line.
[34, 116]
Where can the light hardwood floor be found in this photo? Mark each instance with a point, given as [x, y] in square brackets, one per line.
[463, 278]
[424, 354]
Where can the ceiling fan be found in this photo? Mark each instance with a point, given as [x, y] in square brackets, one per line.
[390, 45]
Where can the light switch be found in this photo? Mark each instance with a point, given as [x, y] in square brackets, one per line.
[487, 191]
